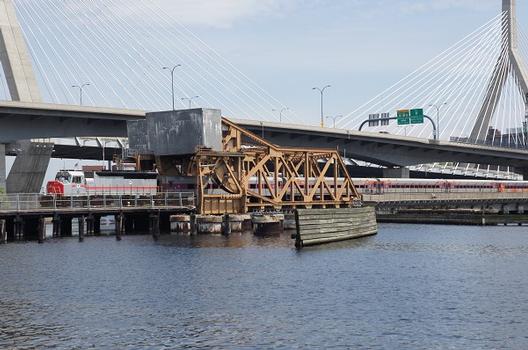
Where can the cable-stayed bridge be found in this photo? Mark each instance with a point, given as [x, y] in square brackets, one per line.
[120, 47]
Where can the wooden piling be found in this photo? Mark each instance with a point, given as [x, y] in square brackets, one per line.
[3, 231]
[97, 225]
[41, 230]
[120, 226]
[19, 228]
[66, 226]
[56, 226]
[154, 227]
[90, 225]
[226, 225]
[194, 226]
[81, 221]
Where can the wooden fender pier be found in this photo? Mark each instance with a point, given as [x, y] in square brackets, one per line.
[23, 216]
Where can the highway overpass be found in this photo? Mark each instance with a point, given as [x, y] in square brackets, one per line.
[23, 121]
[385, 149]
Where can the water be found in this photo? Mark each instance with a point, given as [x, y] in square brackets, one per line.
[418, 287]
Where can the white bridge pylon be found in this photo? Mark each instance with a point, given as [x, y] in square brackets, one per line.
[480, 84]
[509, 63]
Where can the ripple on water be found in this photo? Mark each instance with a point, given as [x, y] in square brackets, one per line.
[408, 287]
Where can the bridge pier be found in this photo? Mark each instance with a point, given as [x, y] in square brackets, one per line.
[398, 173]
[29, 168]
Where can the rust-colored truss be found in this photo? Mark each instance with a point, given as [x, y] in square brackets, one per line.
[253, 174]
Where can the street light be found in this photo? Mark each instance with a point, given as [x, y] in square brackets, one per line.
[321, 91]
[438, 107]
[190, 99]
[172, 82]
[81, 88]
[334, 118]
[284, 109]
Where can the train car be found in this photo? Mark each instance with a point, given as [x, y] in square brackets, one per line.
[71, 183]
[388, 185]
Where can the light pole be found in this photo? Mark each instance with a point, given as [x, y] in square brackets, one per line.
[81, 88]
[284, 109]
[172, 82]
[334, 118]
[438, 107]
[190, 99]
[321, 91]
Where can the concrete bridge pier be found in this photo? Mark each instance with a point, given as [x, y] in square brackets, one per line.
[29, 168]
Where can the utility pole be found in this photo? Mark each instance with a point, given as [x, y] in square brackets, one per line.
[438, 107]
[321, 91]
[284, 109]
[81, 88]
[189, 99]
[172, 82]
[334, 118]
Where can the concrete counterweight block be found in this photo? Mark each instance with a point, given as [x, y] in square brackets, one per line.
[178, 132]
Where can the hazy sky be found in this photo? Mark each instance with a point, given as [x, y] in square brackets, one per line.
[358, 46]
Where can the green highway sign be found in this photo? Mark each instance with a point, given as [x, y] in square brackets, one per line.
[403, 116]
[417, 116]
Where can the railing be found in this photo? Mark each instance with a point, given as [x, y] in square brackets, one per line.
[36, 201]
[439, 196]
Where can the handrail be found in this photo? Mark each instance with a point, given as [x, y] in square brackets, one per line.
[36, 201]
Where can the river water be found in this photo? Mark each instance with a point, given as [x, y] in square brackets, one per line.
[411, 286]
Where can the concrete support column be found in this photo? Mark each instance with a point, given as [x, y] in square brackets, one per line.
[399, 173]
[2, 169]
[30, 166]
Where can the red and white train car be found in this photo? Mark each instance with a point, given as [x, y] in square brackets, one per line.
[70, 183]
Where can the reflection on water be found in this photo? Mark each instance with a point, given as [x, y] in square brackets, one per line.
[407, 287]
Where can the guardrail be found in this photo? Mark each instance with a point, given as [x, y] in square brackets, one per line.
[36, 201]
[438, 196]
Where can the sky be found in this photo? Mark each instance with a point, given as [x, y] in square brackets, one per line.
[286, 47]
[359, 47]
